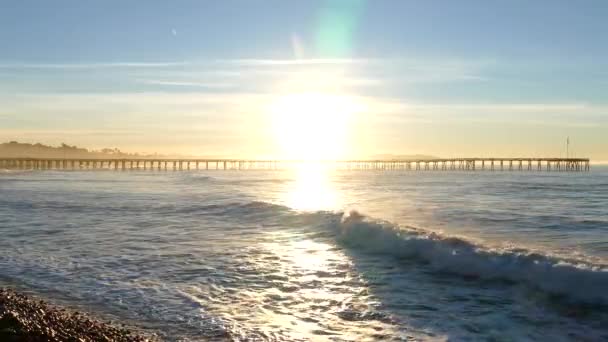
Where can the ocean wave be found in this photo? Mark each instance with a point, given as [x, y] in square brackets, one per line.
[249, 181]
[574, 279]
[577, 280]
[236, 209]
[13, 172]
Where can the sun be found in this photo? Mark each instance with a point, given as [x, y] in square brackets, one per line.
[312, 126]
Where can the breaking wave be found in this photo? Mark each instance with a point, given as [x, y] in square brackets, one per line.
[575, 280]
[579, 281]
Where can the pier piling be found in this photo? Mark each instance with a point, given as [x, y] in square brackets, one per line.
[446, 165]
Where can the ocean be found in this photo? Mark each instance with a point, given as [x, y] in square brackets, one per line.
[316, 255]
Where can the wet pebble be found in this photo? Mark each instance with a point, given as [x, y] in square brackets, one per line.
[25, 319]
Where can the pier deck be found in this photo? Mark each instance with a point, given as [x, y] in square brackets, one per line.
[451, 164]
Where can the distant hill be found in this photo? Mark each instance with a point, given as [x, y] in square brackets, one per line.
[403, 156]
[15, 149]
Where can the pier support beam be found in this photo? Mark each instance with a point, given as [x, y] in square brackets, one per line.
[460, 164]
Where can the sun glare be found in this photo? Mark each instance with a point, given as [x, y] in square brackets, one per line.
[312, 188]
[312, 126]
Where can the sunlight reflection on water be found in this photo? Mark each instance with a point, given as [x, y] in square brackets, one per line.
[247, 256]
[312, 189]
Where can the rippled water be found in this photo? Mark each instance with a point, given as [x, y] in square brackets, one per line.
[317, 255]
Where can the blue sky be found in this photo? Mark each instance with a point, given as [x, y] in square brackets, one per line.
[435, 77]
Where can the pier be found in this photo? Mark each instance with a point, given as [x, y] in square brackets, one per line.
[452, 164]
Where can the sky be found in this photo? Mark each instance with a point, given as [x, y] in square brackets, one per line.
[335, 79]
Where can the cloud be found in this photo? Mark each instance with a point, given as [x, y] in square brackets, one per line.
[395, 71]
[310, 61]
[154, 108]
[512, 107]
[211, 85]
[544, 114]
[89, 65]
[202, 63]
[158, 120]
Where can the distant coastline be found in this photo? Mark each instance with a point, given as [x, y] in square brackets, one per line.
[16, 149]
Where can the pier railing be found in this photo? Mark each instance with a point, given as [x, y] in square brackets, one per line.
[452, 164]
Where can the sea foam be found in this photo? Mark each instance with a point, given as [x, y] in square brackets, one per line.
[575, 280]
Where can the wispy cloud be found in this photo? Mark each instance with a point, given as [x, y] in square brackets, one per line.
[512, 107]
[88, 65]
[310, 61]
[200, 63]
[209, 85]
[395, 71]
[544, 114]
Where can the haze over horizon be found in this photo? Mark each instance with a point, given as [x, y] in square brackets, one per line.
[339, 79]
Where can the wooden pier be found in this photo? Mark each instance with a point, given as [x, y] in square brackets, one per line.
[452, 164]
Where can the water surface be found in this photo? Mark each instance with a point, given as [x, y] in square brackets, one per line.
[317, 255]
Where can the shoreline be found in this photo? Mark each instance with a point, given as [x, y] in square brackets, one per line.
[29, 318]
